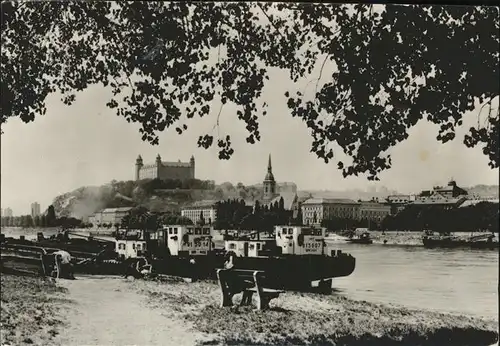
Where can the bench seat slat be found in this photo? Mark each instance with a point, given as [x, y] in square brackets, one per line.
[266, 290]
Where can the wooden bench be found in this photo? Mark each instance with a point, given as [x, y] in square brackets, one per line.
[248, 282]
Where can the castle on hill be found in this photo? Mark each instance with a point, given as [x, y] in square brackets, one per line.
[164, 170]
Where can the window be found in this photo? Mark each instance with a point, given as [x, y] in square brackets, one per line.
[170, 230]
[138, 247]
[144, 246]
[258, 246]
[133, 246]
[232, 246]
[197, 231]
[206, 231]
[175, 230]
[190, 230]
[252, 246]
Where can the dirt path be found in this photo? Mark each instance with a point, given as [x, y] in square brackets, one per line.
[108, 311]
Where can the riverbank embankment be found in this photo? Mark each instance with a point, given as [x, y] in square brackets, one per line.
[312, 319]
[412, 238]
[408, 238]
[102, 310]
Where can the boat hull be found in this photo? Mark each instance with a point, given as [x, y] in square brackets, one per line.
[297, 272]
[284, 271]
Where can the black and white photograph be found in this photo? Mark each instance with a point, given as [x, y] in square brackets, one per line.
[249, 173]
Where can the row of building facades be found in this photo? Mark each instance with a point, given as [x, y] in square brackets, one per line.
[313, 210]
[316, 210]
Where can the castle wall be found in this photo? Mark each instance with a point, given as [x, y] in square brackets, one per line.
[165, 170]
[148, 173]
[181, 173]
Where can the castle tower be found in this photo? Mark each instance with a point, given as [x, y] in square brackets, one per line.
[138, 166]
[191, 162]
[269, 182]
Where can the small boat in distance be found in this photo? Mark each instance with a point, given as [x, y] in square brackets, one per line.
[360, 236]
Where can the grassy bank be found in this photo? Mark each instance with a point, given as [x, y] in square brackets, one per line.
[308, 319]
[28, 310]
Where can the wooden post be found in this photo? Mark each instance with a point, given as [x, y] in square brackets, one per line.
[262, 301]
[42, 256]
[325, 286]
[247, 298]
[225, 289]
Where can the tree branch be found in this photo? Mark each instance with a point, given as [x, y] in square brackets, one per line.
[321, 73]
[481, 110]
[270, 21]
[217, 122]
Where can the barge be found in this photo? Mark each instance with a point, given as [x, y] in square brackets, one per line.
[485, 242]
[296, 257]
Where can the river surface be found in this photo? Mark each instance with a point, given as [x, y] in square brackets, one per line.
[446, 280]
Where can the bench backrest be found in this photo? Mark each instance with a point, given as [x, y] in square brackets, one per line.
[235, 276]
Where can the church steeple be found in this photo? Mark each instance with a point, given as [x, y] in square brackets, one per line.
[269, 182]
[269, 175]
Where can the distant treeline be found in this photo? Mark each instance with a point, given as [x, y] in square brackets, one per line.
[149, 185]
[141, 218]
[479, 217]
[49, 219]
[235, 214]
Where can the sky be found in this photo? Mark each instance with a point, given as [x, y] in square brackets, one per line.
[88, 144]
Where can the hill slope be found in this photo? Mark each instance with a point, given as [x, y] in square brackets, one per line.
[172, 195]
[84, 201]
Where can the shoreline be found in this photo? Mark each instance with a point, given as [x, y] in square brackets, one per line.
[308, 318]
[394, 238]
[190, 314]
[408, 238]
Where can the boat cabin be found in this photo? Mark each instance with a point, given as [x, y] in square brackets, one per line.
[245, 248]
[300, 240]
[130, 248]
[130, 243]
[185, 239]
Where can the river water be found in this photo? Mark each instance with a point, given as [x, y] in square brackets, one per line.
[446, 280]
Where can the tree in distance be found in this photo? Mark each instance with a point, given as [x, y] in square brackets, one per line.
[167, 62]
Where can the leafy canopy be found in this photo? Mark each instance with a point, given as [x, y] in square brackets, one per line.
[170, 62]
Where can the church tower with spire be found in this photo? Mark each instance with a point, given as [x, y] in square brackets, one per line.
[269, 183]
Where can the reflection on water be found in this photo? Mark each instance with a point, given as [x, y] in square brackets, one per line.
[447, 280]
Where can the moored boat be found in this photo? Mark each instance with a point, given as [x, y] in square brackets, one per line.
[294, 259]
[360, 236]
[486, 242]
